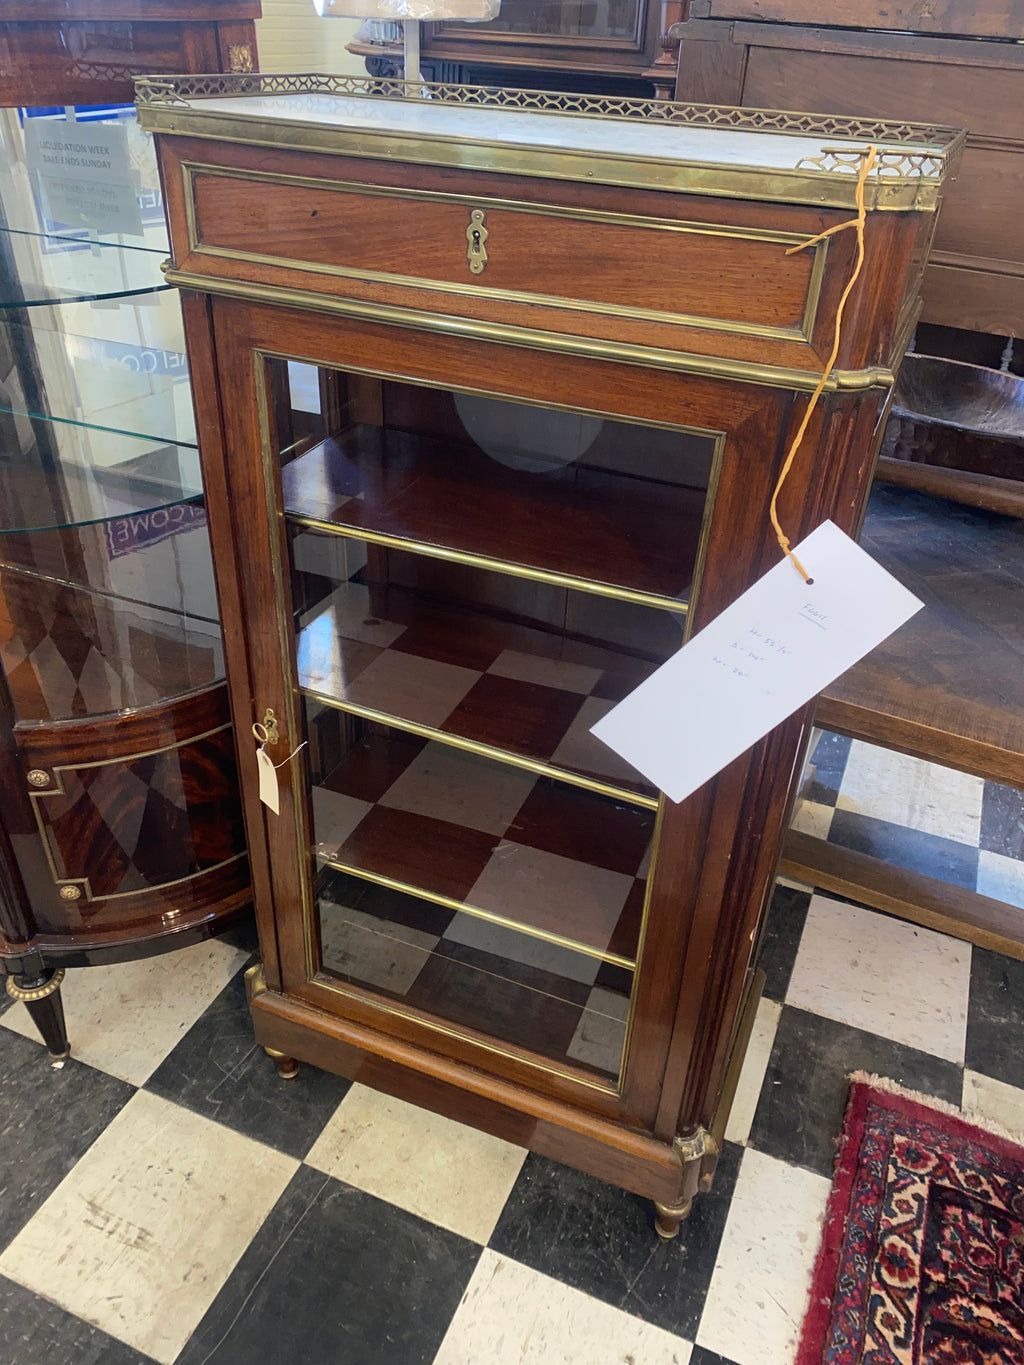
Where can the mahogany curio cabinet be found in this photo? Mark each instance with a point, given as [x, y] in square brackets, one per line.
[121, 834]
[567, 352]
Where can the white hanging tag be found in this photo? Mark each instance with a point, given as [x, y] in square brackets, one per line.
[757, 662]
[269, 794]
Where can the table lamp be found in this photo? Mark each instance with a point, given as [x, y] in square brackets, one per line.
[410, 13]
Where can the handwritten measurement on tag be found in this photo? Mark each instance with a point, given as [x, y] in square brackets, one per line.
[760, 660]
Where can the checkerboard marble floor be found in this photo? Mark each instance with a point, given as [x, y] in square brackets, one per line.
[167, 1197]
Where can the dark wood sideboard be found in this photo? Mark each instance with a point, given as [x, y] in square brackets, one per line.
[957, 62]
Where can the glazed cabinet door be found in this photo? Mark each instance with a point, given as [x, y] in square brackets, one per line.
[490, 548]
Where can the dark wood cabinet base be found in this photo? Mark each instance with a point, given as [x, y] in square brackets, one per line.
[41, 997]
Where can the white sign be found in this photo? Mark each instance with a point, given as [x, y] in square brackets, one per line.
[773, 650]
[84, 174]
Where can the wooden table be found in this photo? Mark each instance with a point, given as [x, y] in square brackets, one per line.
[948, 687]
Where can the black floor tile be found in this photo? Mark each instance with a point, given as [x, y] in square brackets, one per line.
[784, 925]
[995, 1017]
[803, 1098]
[33, 1329]
[945, 859]
[336, 1277]
[829, 758]
[1002, 820]
[601, 1240]
[48, 1118]
[242, 933]
[702, 1356]
[219, 1071]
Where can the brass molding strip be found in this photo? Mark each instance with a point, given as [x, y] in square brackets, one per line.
[162, 90]
[684, 362]
[912, 179]
[325, 981]
[506, 566]
[463, 908]
[472, 746]
[57, 789]
[802, 331]
[815, 189]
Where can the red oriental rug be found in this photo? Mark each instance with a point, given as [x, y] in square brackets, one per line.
[922, 1254]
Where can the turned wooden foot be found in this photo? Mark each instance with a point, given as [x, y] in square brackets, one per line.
[41, 997]
[669, 1218]
[287, 1067]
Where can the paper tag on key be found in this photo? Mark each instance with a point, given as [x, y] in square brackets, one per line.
[269, 794]
[773, 650]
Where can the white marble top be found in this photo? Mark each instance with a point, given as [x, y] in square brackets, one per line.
[636, 139]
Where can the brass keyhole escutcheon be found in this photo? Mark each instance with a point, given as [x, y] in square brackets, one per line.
[476, 235]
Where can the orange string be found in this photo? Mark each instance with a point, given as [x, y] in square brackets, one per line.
[867, 163]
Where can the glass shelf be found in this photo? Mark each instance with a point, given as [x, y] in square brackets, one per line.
[41, 197]
[410, 951]
[120, 368]
[522, 670]
[60, 269]
[615, 517]
[399, 947]
[108, 618]
[60, 474]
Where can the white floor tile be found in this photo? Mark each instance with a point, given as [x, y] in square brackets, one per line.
[125, 1019]
[447, 784]
[601, 1032]
[372, 951]
[755, 1064]
[1001, 878]
[993, 1100]
[909, 791]
[758, 1294]
[512, 1315]
[429, 1165]
[812, 817]
[142, 1233]
[882, 975]
[335, 816]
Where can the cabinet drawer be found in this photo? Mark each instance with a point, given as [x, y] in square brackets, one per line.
[613, 265]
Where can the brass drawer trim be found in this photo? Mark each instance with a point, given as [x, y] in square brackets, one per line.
[803, 331]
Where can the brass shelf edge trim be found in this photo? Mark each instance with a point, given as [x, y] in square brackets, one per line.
[462, 907]
[476, 561]
[685, 362]
[324, 981]
[473, 746]
[153, 90]
[163, 107]
[819, 189]
[800, 331]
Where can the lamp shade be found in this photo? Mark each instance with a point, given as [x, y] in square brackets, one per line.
[478, 10]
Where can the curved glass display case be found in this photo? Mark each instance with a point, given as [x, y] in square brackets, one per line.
[123, 831]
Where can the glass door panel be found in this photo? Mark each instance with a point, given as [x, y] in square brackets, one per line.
[475, 583]
[563, 18]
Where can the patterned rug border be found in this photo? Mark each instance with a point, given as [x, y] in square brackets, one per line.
[864, 1087]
